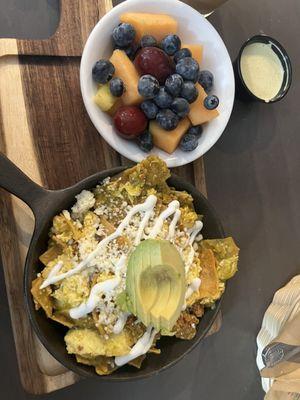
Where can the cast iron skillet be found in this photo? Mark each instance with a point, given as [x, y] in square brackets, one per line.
[45, 204]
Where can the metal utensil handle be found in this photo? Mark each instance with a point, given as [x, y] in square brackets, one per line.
[277, 352]
[16, 182]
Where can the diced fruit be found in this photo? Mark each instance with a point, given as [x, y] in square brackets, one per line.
[148, 41]
[149, 108]
[174, 84]
[182, 53]
[103, 71]
[197, 51]
[206, 80]
[145, 141]
[155, 62]
[196, 130]
[116, 87]
[123, 34]
[198, 113]
[148, 86]
[168, 140]
[157, 25]
[131, 50]
[180, 106]
[167, 119]
[104, 99]
[188, 142]
[115, 107]
[130, 121]
[211, 102]
[163, 99]
[188, 68]
[189, 91]
[170, 44]
[126, 70]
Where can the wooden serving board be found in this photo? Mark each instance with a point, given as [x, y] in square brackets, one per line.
[45, 130]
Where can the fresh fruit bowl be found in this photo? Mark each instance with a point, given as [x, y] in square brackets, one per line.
[193, 28]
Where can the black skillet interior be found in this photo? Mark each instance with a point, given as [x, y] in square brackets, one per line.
[52, 334]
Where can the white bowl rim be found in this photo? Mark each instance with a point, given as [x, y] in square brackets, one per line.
[172, 161]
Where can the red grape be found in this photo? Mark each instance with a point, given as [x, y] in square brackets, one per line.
[154, 61]
[130, 121]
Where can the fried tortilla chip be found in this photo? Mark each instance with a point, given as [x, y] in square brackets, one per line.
[63, 319]
[42, 297]
[226, 253]
[103, 365]
[137, 362]
[51, 254]
[209, 287]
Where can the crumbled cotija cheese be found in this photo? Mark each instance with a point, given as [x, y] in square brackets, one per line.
[85, 201]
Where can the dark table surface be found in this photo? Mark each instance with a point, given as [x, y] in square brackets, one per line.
[253, 178]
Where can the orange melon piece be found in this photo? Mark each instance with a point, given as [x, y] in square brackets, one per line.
[196, 50]
[125, 70]
[157, 25]
[168, 140]
[198, 113]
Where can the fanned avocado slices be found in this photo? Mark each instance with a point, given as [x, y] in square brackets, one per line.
[155, 283]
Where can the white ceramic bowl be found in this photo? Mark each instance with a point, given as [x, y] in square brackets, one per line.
[193, 28]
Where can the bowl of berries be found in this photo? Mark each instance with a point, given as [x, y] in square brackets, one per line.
[156, 77]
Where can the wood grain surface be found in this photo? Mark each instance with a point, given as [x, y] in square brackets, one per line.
[45, 130]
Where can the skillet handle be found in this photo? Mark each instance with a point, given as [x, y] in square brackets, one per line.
[16, 182]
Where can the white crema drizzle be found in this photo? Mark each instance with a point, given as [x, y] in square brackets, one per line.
[109, 285]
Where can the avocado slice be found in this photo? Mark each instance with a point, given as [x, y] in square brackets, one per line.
[155, 283]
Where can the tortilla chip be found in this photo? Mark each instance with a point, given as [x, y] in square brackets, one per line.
[51, 254]
[103, 365]
[209, 287]
[42, 297]
[63, 319]
[226, 253]
[137, 362]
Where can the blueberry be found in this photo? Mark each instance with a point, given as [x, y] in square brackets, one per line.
[188, 142]
[123, 34]
[167, 119]
[182, 53]
[180, 106]
[132, 50]
[170, 44]
[196, 130]
[174, 84]
[206, 80]
[188, 68]
[211, 102]
[149, 108]
[116, 87]
[148, 41]
[145, 141]
[148, 86]
[103, 71]
[163, 99]
[189, 91]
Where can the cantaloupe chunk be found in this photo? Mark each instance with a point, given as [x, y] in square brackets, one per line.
[125, 70]
[168, 140]
[157, 25]
[196, 50]
[104, 99]
[198, 113]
